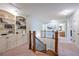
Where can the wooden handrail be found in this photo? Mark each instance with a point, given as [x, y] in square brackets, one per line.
[56, 42]
[40, 40]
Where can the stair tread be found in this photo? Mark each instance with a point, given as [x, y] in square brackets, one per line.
[49, 52]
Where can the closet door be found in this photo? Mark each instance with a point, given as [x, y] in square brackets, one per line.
[11, 42]
[3, 44]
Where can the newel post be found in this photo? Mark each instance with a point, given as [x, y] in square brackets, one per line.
[34, 41]
[56, 42]
[29, 39]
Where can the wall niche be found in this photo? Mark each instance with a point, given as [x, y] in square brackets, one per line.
[7, 23]
[20, 25]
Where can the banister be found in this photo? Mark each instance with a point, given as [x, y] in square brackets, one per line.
[29, 39]
[40, 40]
[33, 47]
[42, 43]
[34, 41]
[56, 42]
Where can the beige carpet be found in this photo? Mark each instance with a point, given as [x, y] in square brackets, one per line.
[21, 51]
[66, 48]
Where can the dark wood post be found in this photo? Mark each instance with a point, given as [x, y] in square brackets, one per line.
[34, 41]
[45, 48]
[29, 39]
[41, 33]
[44, 33]
[56, 42]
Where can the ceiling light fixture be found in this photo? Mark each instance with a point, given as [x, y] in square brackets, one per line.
[53, 21]
[66, 12]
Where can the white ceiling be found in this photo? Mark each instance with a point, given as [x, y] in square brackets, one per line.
[41, 11]
[45, 11]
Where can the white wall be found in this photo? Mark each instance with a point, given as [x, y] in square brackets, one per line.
[36, 25]
[75, 27]
[73, 24]
[69, 27]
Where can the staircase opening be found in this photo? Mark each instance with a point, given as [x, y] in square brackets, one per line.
[37, 44]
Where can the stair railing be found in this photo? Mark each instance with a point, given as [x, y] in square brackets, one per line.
[38, 45]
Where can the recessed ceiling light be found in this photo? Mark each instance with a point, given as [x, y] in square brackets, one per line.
[66, 12]
[13, 11]
[53, 21]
